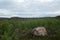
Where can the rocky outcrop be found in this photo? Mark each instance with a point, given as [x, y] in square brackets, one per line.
[39, 31]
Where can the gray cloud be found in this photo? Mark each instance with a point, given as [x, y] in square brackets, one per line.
[30, 8]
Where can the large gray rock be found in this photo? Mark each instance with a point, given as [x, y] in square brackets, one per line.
[39, 31]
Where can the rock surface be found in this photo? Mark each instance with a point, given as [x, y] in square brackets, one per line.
[39, 31]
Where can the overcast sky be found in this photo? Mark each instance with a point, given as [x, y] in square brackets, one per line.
[29, 8]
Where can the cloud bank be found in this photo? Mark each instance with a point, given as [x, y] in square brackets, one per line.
[29, 8]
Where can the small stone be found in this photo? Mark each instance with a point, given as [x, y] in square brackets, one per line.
[39, 31]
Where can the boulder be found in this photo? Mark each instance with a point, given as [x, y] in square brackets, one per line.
[39, 31]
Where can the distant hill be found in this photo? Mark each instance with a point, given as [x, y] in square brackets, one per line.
[20, 18]
[58, 16]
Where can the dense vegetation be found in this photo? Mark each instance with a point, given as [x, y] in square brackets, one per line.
[19, 29]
